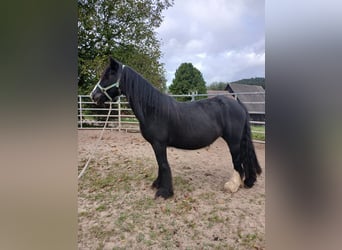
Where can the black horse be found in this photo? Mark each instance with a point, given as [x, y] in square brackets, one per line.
[187, 125]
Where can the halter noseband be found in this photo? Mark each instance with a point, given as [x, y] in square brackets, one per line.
[104, 89]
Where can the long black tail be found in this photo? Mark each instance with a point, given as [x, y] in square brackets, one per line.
[249, 160]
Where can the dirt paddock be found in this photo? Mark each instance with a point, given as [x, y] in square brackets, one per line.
[117, 209]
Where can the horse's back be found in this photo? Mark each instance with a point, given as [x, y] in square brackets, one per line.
[198, 124]
[219, 109]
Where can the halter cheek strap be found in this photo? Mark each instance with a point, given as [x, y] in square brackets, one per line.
[104, 89]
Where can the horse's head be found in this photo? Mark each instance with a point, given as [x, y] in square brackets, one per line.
[107, 89]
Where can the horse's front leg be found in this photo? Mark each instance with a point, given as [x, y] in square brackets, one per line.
[164, 180]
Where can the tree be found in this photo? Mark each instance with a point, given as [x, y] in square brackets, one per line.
[124, 29]
[187, 79]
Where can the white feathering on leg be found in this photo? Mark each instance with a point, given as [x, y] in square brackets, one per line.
[233, 184]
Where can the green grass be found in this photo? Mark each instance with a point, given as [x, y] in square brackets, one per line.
[102, 207]
[250, 240]
[182, 184]
[258, 132]
[129, 119]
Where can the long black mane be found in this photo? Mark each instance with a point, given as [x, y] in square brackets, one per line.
[145, 99]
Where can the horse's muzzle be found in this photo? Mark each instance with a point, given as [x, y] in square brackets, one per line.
[97, 98]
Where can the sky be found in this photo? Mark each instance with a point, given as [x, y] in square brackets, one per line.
[224, 39]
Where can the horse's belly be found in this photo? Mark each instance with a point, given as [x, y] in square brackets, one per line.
[192, 141]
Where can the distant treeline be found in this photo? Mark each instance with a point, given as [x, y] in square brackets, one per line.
[260, 81]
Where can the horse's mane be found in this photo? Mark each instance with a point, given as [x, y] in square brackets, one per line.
[143, 97]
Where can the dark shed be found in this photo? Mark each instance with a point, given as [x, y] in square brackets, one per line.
[252, 96]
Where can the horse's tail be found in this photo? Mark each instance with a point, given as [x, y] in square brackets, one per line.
[249, 160]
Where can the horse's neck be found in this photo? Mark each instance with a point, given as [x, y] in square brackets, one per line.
[136, 100]
[137, 109]
[147, 100]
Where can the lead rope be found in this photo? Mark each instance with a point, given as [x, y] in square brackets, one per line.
[98, 140]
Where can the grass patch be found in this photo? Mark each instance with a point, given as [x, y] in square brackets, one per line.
[144, 203]
[99, 233]
[185, 205]
[86, 214]
[129, 119]
[250, 240]
[182, 184]
[191, 224]
[102, 207]
[214, 218]
[121, 219]
[140, 237]
[207, 196]
[258, 132]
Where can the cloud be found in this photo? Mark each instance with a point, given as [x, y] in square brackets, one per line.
[224, 39]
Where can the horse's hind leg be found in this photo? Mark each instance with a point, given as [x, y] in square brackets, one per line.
[164, 180]
[236, 180]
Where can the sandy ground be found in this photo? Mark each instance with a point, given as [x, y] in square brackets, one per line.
[117, 209]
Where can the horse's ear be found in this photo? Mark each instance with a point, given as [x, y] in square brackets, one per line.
[114, 65]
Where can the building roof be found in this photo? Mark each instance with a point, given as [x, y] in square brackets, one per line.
[212, 93]
[252, 96]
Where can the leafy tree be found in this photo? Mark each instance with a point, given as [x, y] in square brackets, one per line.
[187, 79]
[124, 29]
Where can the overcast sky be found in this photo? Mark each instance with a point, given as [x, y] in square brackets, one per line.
[224, 39]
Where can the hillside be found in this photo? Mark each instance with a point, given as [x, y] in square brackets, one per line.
[260, 81]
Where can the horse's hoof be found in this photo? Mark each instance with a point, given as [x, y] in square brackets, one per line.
[165, 193]
[249, 183]
[234, 183]
[231, 186]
